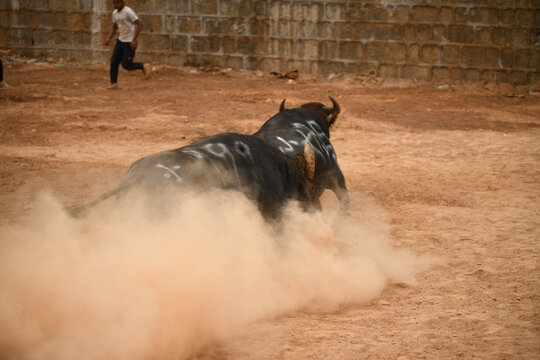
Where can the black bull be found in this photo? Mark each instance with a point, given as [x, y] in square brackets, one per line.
[226, 161]
[290, 129]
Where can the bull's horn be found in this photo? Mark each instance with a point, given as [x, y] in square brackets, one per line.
[333, 112]
[282, 106]
[310, 160]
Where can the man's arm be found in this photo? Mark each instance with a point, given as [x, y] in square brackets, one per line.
[138, 30]
[112, 33]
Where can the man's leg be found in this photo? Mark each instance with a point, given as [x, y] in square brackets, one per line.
[116, 59]
[127, 58]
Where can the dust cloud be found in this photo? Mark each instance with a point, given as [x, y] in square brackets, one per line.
[126, 283]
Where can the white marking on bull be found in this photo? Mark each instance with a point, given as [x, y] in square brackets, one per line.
[223, 152]
[170, 171]
[288, 147]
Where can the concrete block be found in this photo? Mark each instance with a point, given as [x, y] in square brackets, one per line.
[54, 20]
[325, 30]
[518, 77]
[243, 45]
[472, 75]
[351, 50]
[155, 42]
[209, 60]
[450, 55]
[365, 69]
[175, 60]
[343, 30]
[376, 13]
[460, 34]
[501, 36]
[439, 34]
[488, 75]
[388, 71]
[140, 6]
[447, 15]
[528, 59]
[424, 32]
[408, 32]
[413, 54]
[28, 18]
[303, 66]
[395, 53]
[192, 60]
[179, 43]
[525, 18]
[483, 36]
[328, 50]
[533, 77]
[427, 14]
[505, 16]
[467, 15]
[307, 30]
[309, 12]
[503, 76]
[268, 64]
[507, 58]
[34, 4]
[180, 7]
[355, 12]
[520, 37]
[62, 38]
[362, 31]
[82, 40]
[160, 6]
[201, 44]
[152, 23]
[304, 49]
[374, 52]
[399, 15]
[472, 56]
[257, 27]
[441, 74]
[430, 54]
[189, 24]
[491, 57]
[326, 68]
[456, 75]
[387, 31]
[204, 7]
[242, 8]
[334, 12]
[228, 45]
[412, 72]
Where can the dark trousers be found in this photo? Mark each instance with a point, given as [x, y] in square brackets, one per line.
[1, 72]
[123, 54]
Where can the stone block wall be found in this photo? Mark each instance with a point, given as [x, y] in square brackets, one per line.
[433, 40]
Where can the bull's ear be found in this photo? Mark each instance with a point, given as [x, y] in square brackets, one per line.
[282, 106]
[310, 161]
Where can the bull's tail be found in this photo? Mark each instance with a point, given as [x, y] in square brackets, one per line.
[80, 211]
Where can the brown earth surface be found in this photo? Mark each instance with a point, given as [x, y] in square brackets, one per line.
[456, 169]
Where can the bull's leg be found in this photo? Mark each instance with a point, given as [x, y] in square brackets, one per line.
[337, 185]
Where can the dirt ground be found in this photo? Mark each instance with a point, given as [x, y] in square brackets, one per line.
[457, 169]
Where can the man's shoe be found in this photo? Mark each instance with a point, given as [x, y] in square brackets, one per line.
[112, 86]
[146, 71]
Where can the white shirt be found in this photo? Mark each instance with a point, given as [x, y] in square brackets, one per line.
[124, 19]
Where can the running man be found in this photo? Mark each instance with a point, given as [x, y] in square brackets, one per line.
[129, 26]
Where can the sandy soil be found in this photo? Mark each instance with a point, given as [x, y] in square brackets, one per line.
[457, 170]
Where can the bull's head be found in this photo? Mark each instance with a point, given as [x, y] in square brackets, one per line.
[306, 164]
[331, 112]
